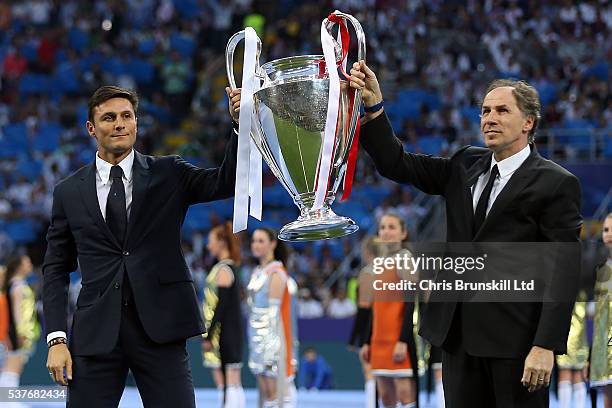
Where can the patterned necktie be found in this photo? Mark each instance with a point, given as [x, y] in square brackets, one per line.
[116, 213]
[483, 201]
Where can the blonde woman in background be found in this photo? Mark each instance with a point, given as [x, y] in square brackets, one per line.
[361, 324]
[391, 350]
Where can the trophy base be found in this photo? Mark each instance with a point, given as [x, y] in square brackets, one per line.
[313, 227]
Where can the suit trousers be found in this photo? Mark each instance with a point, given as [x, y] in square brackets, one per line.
[162, 371]
[483, 382]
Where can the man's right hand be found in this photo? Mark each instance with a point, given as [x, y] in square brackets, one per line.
[58, 360]
[364, 78]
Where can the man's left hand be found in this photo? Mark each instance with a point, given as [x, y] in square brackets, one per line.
[234, 102]
[538, 366]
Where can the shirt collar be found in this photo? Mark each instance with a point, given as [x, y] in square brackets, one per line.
[511, 164]
[103, 167]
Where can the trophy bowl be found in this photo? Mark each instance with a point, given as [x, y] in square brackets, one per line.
[290, 110]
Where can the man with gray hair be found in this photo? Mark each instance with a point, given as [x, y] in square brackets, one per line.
[495, 354]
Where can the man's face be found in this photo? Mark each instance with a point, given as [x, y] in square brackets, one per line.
[502, 123]
[114, 126]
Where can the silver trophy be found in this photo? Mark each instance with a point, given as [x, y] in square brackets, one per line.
[291, 109]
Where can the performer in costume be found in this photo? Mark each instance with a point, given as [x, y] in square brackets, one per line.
[270, 328]
[571, 364]
[391, 350]
[361, 324]
[601, 353]
[23, 328]
[222, 342]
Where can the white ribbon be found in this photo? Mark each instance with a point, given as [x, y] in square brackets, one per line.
[255, 180]
[332, 118]
[248, 159]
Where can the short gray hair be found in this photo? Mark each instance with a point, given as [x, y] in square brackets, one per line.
[527, 99]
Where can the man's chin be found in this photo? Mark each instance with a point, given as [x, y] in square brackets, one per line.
[491, 144]
[119, 150]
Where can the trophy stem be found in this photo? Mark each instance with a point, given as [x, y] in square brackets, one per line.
[319, 224]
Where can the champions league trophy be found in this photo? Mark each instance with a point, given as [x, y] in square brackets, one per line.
[303, 119]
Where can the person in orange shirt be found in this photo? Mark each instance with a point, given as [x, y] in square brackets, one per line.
[391, 349]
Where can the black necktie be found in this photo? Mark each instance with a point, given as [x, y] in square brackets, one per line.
[483, 201]
[116, 213]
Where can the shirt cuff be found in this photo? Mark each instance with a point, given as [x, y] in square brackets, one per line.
[55, 335]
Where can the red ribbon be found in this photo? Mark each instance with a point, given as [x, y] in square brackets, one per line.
[352, 158]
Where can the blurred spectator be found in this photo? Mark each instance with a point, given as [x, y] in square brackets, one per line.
[314, 372]
[175, 74]
[340, 306]
[308, 307]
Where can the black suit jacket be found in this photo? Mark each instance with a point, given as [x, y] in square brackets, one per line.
[541, 202]
[162, 286]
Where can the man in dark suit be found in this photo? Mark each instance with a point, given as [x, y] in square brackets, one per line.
[495, 354]
[120, 218]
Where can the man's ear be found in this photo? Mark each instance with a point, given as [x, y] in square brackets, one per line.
[90, 129]
[528, 125]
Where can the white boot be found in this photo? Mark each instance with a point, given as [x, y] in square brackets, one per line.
[564, 394]
[580, 394]
[370, 393]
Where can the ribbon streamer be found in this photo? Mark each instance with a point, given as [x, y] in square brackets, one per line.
[331, 122]
[344, 40]
[248, 159]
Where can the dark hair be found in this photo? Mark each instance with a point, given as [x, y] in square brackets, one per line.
[12, 264]
[104, 93]
[281, 253]
[527, 100]
[224, 233]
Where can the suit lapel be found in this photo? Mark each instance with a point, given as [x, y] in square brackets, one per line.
[140, 180]
[480, 166]
[87, 187]
[515, 185]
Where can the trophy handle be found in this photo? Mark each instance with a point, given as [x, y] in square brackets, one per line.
[229, 57]
[361, 55]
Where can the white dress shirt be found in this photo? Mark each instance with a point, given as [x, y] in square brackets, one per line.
[506, 169]
[103, 185]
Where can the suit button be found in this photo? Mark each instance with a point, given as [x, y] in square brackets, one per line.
[126, 253]
[116, 285]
